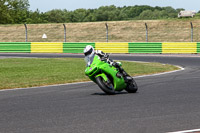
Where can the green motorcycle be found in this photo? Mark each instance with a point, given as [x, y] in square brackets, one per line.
[107, 77]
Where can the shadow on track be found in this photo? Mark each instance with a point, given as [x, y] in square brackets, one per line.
[117, 93]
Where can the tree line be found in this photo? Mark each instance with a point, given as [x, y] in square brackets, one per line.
[17, 11]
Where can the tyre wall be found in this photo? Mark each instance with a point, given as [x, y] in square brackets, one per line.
[107, 47]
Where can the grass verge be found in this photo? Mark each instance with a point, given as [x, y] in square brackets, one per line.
[30, 72]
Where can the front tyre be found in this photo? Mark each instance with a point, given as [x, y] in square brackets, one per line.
[132, 87]
[105, 86]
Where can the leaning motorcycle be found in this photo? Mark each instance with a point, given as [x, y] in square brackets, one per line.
[107, 77]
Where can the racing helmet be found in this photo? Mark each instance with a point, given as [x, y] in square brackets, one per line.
[88, 50]
[89, 54]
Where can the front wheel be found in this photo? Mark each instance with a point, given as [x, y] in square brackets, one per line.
[105, 86]
[132, 87]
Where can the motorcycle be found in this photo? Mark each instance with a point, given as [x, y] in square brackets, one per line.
[108, 77]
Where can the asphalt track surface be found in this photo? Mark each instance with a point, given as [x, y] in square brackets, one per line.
[164, 103]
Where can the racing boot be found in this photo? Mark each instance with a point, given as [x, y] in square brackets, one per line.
[125, 75]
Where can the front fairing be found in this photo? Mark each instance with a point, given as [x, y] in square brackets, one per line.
[92, 65]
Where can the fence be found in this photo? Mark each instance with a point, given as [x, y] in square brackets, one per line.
[118, 31]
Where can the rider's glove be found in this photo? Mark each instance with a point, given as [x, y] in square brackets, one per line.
[106, 56]
[115, 64]
[103, 58]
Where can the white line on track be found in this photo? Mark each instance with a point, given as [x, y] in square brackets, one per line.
[180, 69]
[187, 131]
[45, 86]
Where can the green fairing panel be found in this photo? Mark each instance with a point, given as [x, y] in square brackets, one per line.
[105, 68]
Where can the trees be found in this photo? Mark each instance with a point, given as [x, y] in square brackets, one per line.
[80, 15]
[159, 13]
[13, 11]
[17, 11]
[55, 16]
[5, 17]
[107, 13]
[147, 14]
[36, 17]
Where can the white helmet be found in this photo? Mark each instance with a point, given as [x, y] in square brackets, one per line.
[88, 50]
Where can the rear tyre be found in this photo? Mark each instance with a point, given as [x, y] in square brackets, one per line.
[106, 86]
[132, 87]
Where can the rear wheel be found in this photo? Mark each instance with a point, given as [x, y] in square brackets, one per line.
[105, 86]
[132, 87]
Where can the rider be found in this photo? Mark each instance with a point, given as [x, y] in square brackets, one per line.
[89, 51]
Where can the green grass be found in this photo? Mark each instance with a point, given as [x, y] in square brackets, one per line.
[136, 69]
[26, 72]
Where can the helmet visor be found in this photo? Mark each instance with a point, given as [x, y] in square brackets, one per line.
[88, 52]
[89, 59]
